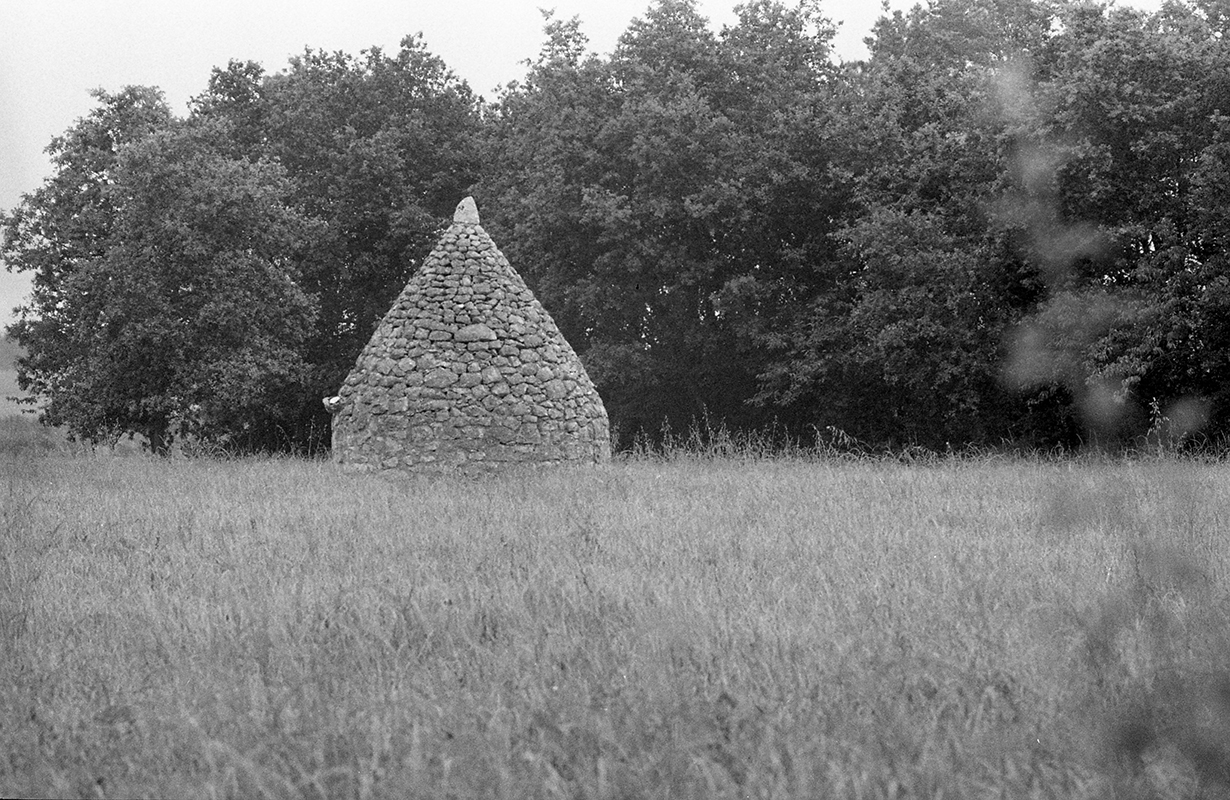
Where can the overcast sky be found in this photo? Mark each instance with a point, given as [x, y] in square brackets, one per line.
[53, 52]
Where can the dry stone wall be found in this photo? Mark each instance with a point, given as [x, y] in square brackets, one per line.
[467, 370]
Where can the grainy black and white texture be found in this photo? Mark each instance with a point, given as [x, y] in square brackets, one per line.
[467, 370]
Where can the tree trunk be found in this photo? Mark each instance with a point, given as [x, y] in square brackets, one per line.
[159, 441]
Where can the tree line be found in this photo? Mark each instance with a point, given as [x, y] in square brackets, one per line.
[1007, 225]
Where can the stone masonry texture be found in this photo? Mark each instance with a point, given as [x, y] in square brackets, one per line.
[467, 370]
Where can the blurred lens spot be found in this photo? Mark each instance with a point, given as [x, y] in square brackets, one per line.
[1103, 404]
[1030, 362]
[1187, 416]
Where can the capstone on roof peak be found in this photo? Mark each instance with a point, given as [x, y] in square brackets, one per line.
[467, 212]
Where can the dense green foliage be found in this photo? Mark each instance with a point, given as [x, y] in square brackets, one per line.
[166, 285]
[1005, 225]
[378, 150]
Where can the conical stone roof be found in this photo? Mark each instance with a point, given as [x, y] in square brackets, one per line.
[467, 369]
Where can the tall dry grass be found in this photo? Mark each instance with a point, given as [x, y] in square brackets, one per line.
[689, 627]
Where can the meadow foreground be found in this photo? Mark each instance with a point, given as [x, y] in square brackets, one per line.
[672, 629]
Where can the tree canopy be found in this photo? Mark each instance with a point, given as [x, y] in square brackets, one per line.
[1003, 226]
[166, 284]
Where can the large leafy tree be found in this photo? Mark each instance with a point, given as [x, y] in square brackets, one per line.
[165, 296]
[248, 251]
[378, 148]
[893, 334]
[634, 189]
[1138, 137]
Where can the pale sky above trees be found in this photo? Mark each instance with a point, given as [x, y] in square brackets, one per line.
[55, 51]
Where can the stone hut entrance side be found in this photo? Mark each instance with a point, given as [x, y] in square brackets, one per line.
[467, 370]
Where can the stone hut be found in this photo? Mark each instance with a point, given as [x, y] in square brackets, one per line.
[467, 370]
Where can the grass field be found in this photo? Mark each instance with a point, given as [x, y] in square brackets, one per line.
[654, 628]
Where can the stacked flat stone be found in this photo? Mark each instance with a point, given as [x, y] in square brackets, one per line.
[467, 370]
